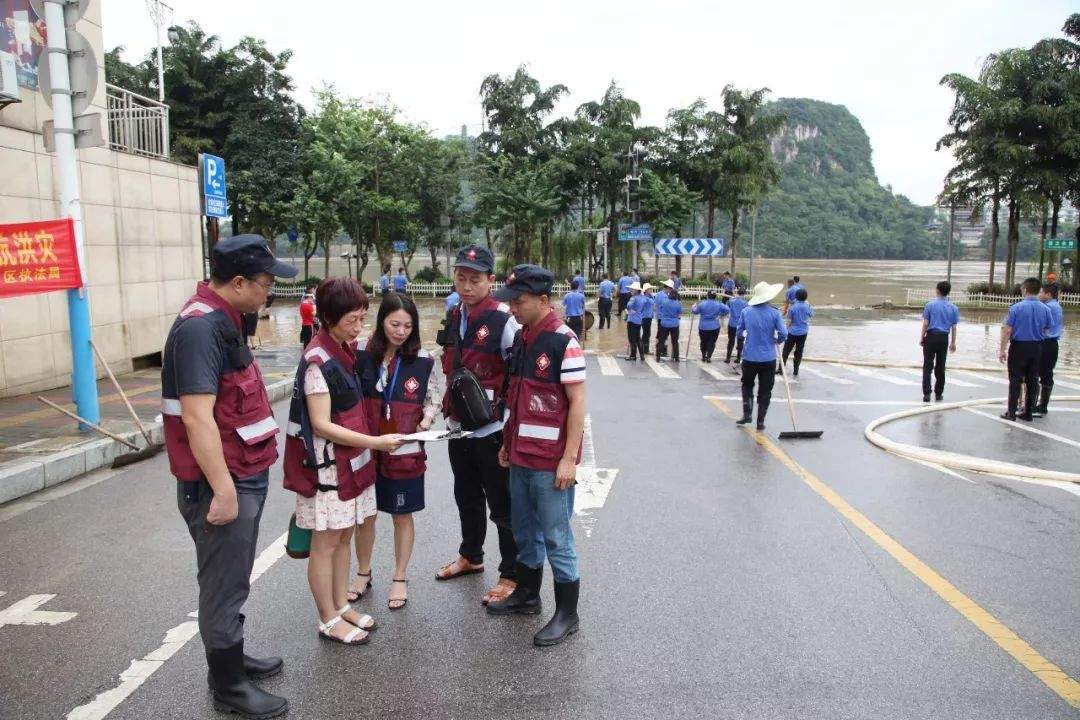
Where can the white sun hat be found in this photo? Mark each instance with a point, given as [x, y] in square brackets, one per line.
[764, 292]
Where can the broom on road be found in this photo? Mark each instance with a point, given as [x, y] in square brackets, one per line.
[794, 433]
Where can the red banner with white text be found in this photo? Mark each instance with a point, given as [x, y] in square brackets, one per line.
[38, 257]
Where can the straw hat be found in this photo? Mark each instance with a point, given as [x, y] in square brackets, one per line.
[635, 286]
[764, 292]
[647, 286]
[668, 283]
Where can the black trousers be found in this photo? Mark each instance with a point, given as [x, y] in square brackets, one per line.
[797, 342]
[479, 480]
[306, 331]
[633, 337]
[765, 374]
[646, 334]
[662, 336]
[577, 324]
[934, 351]
[1024, 358]
[623, 299]
[733, 341]
[1048, 357]
[707, 338]
[604, 306]
[224, 555]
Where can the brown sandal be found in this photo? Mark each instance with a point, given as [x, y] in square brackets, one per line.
[362, 591]
[470, 569]
[500, 592]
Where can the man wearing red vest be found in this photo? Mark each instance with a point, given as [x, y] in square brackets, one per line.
[486, 331]
[542, 447]
[220, 435]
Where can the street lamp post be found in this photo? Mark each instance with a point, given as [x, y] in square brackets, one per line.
[159, 13]
[348, 261]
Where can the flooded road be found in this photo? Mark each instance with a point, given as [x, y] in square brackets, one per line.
[850, 333]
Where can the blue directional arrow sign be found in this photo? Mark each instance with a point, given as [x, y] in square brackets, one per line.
[212, 169]
[400, 246]
[690, 246]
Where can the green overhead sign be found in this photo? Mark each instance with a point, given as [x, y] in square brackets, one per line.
[1060, 244]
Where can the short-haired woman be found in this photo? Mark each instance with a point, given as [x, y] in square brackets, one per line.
[402, 395]
[328, 459]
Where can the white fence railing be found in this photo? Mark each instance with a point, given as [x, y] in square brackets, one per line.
[916, 296]
[137, 124]
[444, 289]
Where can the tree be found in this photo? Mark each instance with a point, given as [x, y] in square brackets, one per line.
[747, 168]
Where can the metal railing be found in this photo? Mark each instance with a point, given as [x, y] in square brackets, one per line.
[137, 124]
[916, 296]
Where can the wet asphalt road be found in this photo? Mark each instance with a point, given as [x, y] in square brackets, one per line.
[716, 581]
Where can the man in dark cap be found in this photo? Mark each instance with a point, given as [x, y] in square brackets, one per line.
[542, 447]
[480, 335]
[220, 435]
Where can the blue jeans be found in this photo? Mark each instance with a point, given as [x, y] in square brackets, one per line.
[540, 516]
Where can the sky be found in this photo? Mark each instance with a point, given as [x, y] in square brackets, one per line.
[882, 60]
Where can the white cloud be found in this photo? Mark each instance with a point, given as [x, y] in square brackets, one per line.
[883, 64]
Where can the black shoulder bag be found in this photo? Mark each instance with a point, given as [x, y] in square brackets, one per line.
[467, 396]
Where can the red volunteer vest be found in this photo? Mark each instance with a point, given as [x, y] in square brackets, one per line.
[242, 409]
[406, 408]
[355, 470]
[481, 349]
[539, 407]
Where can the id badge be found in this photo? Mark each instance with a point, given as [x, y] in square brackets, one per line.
[387, 426]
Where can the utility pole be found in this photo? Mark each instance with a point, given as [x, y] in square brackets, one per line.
[83, 373]
[952, 229]
[753, 236]
[158, 13]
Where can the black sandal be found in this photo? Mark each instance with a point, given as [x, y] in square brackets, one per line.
[404, 601]
[363, 591]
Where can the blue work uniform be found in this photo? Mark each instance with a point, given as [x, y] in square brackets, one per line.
[400, 283]
[634, 308]
[624, 284]
[677, 281]
[578, 282]
[762, 327]
[607, 289]
[1029, 319]
[710, 311]
[736, 305]
[1057, 319]
[384, 284]
[668, 310]
[452, 300]
[728, 286]
[799, 314]
[648, 309]
[941, 315]
[574, 303]
[792, 290]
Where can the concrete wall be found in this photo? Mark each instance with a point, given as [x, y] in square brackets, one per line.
[143, 244]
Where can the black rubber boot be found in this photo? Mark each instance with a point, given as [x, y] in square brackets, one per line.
[763, 407]
[747, 410]
[525, 600]
[564, 622]
[1044, 401]
[255, 668]
[233, 690]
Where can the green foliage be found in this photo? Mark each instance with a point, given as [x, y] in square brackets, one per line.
[431, 275]
[985, 288]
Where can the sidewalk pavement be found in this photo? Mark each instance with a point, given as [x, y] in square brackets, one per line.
[40, 447]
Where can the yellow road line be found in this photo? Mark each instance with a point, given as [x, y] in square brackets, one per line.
[1050, 674]
[31, 416]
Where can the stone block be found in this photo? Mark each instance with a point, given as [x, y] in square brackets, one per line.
[19, 209]
[99, 225]
[142, 300]
[135, 189]
[24, 316]
[19, 177]
[137, 227]
[189, 198]
[98, 184]
[65, 465]
[127, 161]
[19, 478]
[163, 168]
[23, 116]
[98, 156]
[103, 266]
[99, 453]
[166, 192]
[16, 139]
[139, 264]
[170, 229]
[172, 262]
[58, 310]
[112, 342]
[144, 335]
[45, 175]
[27, 360]
[106, 305]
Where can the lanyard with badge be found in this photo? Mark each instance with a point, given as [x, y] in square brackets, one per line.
[388, 426]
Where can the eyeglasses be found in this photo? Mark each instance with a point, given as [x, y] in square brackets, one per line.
[265, 286]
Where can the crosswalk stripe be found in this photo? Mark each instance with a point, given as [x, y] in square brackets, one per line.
[878, 375]
[716, 373]
[826, 376]
[1021, 425]
[662, 370]
[608, 365]
[1062, 383]
[979, 376]
[948, 378]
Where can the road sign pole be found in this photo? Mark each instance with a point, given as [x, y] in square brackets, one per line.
[83, 373]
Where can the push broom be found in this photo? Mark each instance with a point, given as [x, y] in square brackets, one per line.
[794, 433]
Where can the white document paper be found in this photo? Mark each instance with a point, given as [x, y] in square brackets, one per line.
[436, 435]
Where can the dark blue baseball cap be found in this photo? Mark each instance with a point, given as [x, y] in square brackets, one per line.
[526, 279]
[248, 255]
[475, 257]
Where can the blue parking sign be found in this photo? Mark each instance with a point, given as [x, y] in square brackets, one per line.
[213, 174]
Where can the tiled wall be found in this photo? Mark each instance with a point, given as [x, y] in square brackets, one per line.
[143, 245]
